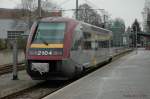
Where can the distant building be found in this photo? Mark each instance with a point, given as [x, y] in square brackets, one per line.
[9, 21]
[17, 19]
[146, 16]
[5, 25]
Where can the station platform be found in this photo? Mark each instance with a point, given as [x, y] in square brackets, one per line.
[125, 78]
[9, 86]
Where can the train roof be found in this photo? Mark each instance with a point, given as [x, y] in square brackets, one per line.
[58, 19]
[96, 28]
[65, 19]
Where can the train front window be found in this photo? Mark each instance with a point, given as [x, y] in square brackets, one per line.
[50, 33]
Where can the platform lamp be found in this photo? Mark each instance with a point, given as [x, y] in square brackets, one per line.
[135, 37]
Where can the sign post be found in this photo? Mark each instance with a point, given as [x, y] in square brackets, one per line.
[13, 37]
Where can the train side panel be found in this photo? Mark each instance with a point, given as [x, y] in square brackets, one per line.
[89, 47]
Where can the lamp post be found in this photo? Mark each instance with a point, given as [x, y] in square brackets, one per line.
[105, 16]
[135, 38]
[77, 8]
[39, 8]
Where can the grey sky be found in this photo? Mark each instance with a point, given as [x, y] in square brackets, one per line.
[8, 3]
[126, 9]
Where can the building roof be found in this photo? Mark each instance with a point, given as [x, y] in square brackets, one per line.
[21, 13]
[9, 13]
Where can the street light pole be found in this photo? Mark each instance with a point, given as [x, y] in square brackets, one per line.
[136, 39]
[39, 8]
[77, 8]
[104, 16]
[15, 60]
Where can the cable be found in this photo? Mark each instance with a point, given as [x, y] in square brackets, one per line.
[64, 2]
[92, 4]
[102, 11]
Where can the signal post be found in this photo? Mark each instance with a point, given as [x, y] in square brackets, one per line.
[13, 37]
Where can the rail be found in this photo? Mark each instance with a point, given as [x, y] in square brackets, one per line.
[7, 68]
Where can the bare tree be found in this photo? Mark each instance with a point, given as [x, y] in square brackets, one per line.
[29, 11]
[89, 15]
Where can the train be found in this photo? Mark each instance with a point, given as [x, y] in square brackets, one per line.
[60, 48]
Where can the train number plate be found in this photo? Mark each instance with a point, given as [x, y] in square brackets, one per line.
[44, 53]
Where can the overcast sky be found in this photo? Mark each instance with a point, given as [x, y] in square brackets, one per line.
[128, 10]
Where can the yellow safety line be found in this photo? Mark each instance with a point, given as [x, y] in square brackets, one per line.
[47, 46]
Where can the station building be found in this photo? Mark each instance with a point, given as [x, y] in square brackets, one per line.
[9, 21]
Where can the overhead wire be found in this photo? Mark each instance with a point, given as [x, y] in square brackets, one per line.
[86, 1]
[102, 11]
[91, 4]
[64, 2]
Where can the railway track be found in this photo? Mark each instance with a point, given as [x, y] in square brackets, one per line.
[39, 91]
[9, 67]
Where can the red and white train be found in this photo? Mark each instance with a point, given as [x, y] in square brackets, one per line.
[61, 48]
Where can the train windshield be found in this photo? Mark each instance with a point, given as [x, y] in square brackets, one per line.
[50, 33]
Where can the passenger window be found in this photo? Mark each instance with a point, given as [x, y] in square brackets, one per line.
[87, 45]
[103, 44]
[86, 40]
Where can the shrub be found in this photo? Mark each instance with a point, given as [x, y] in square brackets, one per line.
[2, 44]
